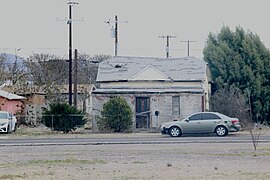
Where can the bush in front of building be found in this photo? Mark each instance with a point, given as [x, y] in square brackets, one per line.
[63, 117]
[116, 116]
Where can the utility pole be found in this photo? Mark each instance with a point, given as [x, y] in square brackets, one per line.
[168, 44]
[75, 77]
[71, 4]
[188, 41]
[115, 34]
[69, 22]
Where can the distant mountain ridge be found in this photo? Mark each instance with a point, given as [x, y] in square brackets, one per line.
[11, 59]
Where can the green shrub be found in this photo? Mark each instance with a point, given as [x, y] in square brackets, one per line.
[63, 117]
[116, 116]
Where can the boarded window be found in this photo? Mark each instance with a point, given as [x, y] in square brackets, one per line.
[176, 105]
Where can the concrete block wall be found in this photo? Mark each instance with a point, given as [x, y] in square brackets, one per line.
[189, 103]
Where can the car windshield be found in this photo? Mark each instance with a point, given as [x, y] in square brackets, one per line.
[3, 115]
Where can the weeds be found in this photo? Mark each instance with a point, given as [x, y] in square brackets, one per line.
[13, 176]
[67, 161]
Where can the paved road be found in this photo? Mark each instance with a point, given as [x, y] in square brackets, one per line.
[124, 139]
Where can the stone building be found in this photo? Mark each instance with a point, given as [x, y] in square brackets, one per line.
[157, 89]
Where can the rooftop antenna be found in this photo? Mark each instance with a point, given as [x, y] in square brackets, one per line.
[69, 21]
[114, 32]
[167, 49]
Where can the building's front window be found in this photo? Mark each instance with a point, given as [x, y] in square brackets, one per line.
[176, 105]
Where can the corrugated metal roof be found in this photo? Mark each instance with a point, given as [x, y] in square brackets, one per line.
[121, 68]
[10, 96]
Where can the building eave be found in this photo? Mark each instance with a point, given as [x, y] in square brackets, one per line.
[193, 80]
[149, 91]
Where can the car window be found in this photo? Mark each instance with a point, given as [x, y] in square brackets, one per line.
[209, 116]
[195, 117]
[3, 115]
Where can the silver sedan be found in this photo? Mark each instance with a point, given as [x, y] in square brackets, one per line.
[202, 122]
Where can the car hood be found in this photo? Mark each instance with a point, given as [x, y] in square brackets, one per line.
[3, 120]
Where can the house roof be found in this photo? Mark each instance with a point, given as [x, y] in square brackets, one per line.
[10, 96]
[122, 68]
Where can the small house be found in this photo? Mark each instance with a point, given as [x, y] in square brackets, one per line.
[157, 89]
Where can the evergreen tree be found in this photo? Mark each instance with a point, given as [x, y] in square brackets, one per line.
[117, 115]
[240, 59]
[63, 117]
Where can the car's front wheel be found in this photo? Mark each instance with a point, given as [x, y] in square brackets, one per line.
[175, 131]
[221, 131]
[8, 129]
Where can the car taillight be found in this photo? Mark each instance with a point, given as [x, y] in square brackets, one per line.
[234, 121]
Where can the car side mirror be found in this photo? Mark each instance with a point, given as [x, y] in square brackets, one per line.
[187, 120]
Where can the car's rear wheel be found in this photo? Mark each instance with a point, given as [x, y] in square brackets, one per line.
[175, 131]
[221, 131]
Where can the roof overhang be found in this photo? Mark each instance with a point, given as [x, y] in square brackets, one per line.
[10, 96]
[149, 91]
[199, 80]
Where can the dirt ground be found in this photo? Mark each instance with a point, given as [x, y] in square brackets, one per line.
[136, 161]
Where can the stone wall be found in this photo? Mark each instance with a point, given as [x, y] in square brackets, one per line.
[189, 103]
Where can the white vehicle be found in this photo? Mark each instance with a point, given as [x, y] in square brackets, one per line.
[8, 122]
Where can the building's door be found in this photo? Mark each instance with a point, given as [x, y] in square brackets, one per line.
[142, 112]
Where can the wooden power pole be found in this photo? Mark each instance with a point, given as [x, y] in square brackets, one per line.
[75, 77]
[115, 34]
[188, 41]
[168, 37]
[69, 22]
[71, 4]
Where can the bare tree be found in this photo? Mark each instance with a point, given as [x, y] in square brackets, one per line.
[17, 72]
[254, 128]
[12, 72]
[47, 72]
[233, 102]
[2, 69]
[51, 72]
[47, 69]
[88, 67]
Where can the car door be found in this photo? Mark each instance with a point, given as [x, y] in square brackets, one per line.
[209, 122]
[192, 124]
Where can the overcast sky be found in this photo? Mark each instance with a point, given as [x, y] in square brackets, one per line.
[32, 25]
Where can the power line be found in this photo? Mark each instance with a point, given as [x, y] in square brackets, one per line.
[168, 37]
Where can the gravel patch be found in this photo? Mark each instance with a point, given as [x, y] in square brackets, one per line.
[136, 161]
